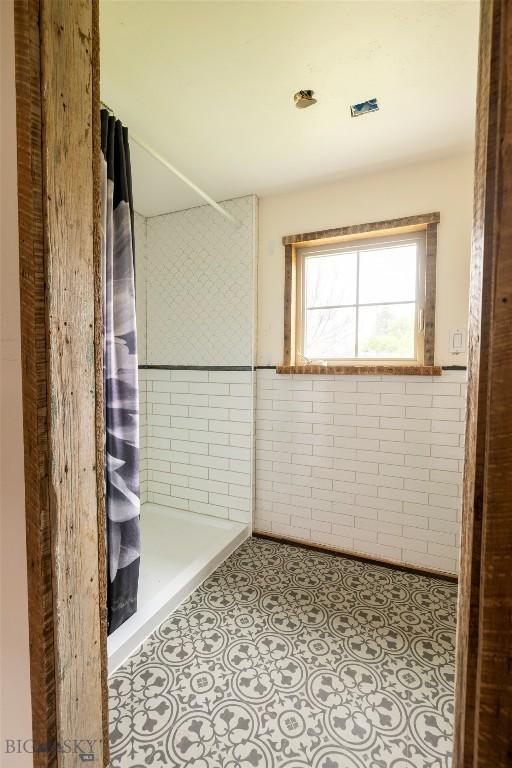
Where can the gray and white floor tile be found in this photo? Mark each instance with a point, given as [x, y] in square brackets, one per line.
[289, 658]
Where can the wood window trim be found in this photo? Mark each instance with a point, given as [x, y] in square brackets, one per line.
[426, 222]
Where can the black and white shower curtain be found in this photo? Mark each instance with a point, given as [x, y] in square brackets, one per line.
[120, 375]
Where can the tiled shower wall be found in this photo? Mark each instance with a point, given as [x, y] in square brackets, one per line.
[199, 448]
[195, 304]
[367, 464]
[200, 286]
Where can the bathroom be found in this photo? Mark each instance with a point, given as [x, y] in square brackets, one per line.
[300, 481]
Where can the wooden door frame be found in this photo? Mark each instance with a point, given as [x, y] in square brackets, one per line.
[483, 708]
[57, 82]
[58, 142]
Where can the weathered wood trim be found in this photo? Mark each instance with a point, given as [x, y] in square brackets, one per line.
[426, 340]
[33, 356]
[429, 335]
[98, 349]
[356, 230]
[479, 304]
[289, 305]
[356, 555]
[57, 95]
[483, 713]
[362, 370]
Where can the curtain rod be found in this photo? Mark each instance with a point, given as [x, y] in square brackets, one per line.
[157, 156]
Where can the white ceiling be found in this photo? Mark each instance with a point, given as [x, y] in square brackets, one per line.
[209, 85]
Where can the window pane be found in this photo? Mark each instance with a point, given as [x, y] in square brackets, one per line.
[330, 280]
[387, 274]
[387, 331]
[330, 333]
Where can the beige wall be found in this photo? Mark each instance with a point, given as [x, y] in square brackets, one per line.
[443, 185]
[15, 686]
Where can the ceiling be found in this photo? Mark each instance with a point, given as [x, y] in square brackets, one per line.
[209, 85]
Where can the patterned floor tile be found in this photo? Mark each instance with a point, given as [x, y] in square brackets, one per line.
[288, 658]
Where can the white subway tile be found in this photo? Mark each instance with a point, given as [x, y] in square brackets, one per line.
[382, 387]
[377, 549]
[244, 390]
[375, 502]
[421, 425]
[431, 462]
[208, 388]
[403, 519]
[211, 486]
[427, 486]
[405, 447]
[215, 462]
[231, 427]
[240, 516]
[449, 401]
[391, 411]
[188, 469]
[454, 427]
[432, 438]
[187, 446]
[188, 375]
[380, 480]
[442, 550]
[448, 502]
[428, 560]
[206, 412]
[447, 452]
[335, 385]
[178, 398]
[356, 465]
[335, 540]
[398, 470]
[418, 401]
[398, 494]
[170, 386]
[188, 493]
[381, 456]
[186, 422]
[415, 545]
[430, 511]
[205, 508]
[240, 478]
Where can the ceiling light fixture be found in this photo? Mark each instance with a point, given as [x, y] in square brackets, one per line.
[304, 99]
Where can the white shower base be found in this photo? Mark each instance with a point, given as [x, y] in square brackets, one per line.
[179, 551]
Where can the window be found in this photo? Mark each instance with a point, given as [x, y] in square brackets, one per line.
[362, 299]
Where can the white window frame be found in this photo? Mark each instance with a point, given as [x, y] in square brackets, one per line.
[360, 245]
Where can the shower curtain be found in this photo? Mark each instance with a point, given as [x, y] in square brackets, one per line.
[120, 375]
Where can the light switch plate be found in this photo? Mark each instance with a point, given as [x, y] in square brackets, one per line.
[457, 341]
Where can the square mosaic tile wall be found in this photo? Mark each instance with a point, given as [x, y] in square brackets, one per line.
[368, 464]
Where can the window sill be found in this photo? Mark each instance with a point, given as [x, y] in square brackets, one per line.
[362, 370]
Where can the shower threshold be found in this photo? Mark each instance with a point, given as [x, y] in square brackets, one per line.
[179, 551]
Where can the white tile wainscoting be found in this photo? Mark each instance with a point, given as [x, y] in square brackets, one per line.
[367, 464]
[197, 441]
